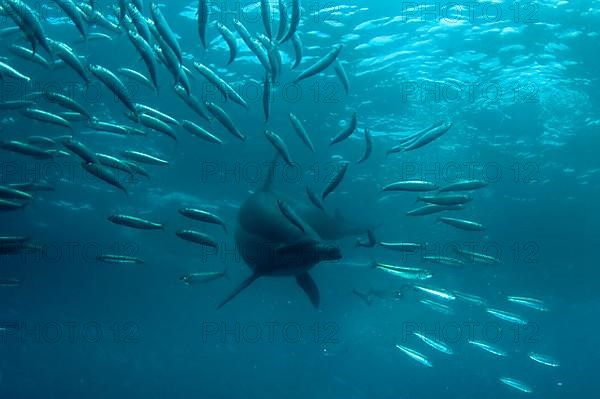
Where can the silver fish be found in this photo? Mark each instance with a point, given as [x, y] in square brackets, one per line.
[320, 65]
[200, 132]
[462, 224]
[301, 132]
[488, 348]
[197, 238]
[516, 384]
[507, 316]
[203, 216]
[347, 132]
[411, 185]
[135, 222]
[435, 344]
[413, 354]
[279, 145]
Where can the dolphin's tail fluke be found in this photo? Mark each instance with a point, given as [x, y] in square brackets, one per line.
[244, 284]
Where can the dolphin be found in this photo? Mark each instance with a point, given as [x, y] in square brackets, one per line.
[328, 226]
[272, 246]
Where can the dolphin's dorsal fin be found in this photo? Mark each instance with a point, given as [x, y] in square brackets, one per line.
[243, 285]
[270, 175]
[308, 285]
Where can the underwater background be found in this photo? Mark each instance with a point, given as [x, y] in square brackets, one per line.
[518, 81]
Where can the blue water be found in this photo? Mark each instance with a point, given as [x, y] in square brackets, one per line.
[518, 80]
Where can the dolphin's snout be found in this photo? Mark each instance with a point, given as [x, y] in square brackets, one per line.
[330, 253]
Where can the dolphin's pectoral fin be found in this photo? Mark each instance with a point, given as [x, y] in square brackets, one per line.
[243, 285]
[306, 282]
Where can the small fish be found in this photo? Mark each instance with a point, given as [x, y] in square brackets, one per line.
[136, 77]
[81, 150]
[67, 102]
[230, 40]
[279, 145]
[7, 70]
[193, 102]
[147, 54]
[337, 179]
[464, 185]
[155, 124]
[446, 199]
[445, 295]
[411, 185]
[428, 137]
[531, 303]
[516, 384]
[202, 14]
[368, 146]
[165, 31]
[200, 132]
[197, 238]
[409, 273]
[26, 149]
[135, 222]
[114, 163]
[488, 348]
[15, 105]
[225, 120]
[47, 117]
[145, 109]
[283, 20]
[301, 132]
[415, 355]
[314, 199]
[294, 21]
[507, 316]
[321, 64]
[103, 173]
[252, 44]
[32, 186]
[144, 158]
[432, 208]
[478, 257]
[119, 259]
[342, 76]
[435, 344]
[202, 278]
[11, 193]
[265, 12]
[67, 55]
[114, 84]
[347, 132]
[462, 224]
[544, 359]
[298, 50]
[29, 55]
[203, 216]
[74, 13]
